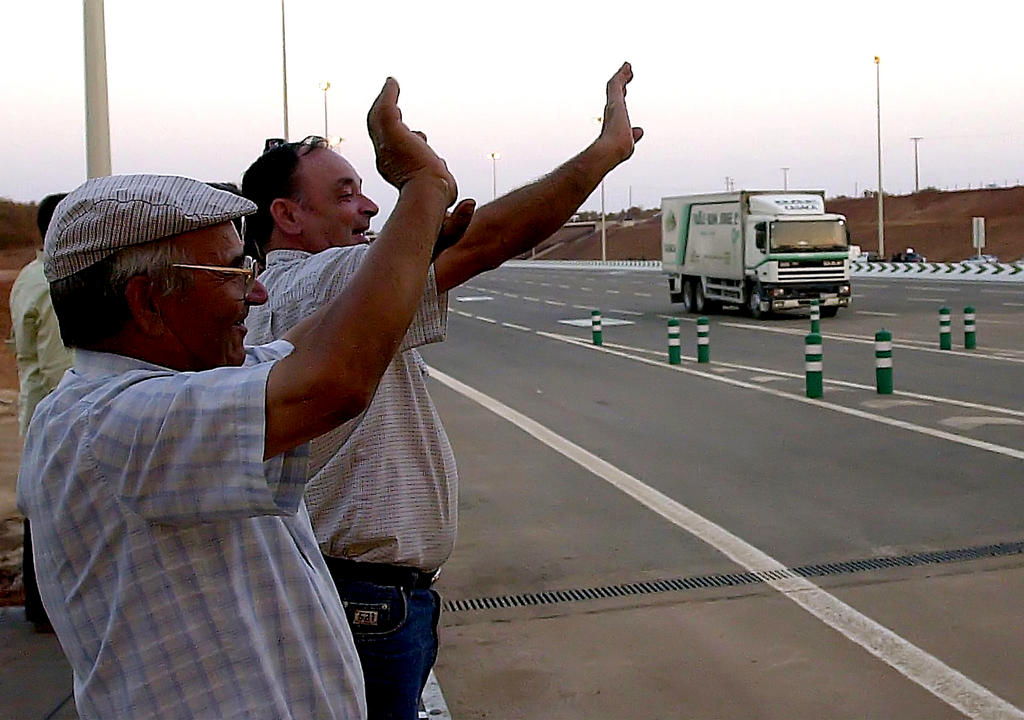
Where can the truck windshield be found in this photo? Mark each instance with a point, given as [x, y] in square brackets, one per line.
[808, 235]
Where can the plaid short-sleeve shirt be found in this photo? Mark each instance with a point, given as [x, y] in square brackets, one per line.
[385, 490]
[178, 568]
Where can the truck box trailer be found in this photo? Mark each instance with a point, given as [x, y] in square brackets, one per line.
[764, 250]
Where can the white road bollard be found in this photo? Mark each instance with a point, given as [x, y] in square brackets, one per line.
[883, 362]
[813, 366]
[674, 349]
[815, 317]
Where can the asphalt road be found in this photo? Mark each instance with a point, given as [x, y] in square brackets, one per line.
[589, 468]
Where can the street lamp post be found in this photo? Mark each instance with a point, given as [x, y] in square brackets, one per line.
[878, 110]
[325, 85]
[284, 72]
[495, 157]
[97, 118]
[785, 178]
[917, 176]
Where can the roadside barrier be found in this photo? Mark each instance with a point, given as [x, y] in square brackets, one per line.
[674, 350]
[595, 326]
[813, 365]
[945, 339]
[883, 362]
[703, 340]
[970, 338]
[815, 317]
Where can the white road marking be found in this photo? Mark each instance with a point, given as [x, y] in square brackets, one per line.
[564, 287]
[830, 382]
[916, 345]
[903, 425]
[606, 322]
[612, 292]
[877, 314]
[639, 294]
[511, 295]
[927, 300]
[473, 298]
[933, 289]
[586, 289]
[554, 302]
[885, 404]
[464, 314]
[946, 683]
[1000, 292]
[433, 699]
[976, 421]
[583, 307]
[766, 378]
[516, 327]
[1014, 304]
[677, 317]
[487, 319]
[531, 299]
[623, 312]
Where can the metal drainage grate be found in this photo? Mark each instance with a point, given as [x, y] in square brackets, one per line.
[734, 579]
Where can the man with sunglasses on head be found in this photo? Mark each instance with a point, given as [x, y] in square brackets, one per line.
[166, 472]
[384, 501]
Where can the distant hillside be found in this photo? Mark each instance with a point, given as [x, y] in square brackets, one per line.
[935, 223]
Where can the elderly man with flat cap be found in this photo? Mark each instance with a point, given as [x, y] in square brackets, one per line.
[174, 552]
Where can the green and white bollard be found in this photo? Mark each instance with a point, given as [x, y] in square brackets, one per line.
[674, 351]
[883, 362]
[815, 317]
[813, 366]
[595, 325]
[945, 339]
[970, 338]
[703, 340]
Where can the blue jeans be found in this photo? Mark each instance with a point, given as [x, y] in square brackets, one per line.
[396, 636]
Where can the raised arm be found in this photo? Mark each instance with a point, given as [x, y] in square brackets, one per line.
[342, 350]
[516, 222]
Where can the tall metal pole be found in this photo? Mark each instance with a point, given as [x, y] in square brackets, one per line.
[878, 108]
[917, 181]
[785, 178]
[494, 156]
[604, 245]
[325, 85]
[97, 115]
[284, 72]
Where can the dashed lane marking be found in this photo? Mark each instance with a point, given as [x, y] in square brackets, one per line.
[876, 314]
[949, 685]
[516, 327]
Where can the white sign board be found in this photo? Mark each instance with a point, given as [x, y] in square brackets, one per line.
[978, 225]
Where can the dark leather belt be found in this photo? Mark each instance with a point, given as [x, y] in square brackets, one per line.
[380, 573]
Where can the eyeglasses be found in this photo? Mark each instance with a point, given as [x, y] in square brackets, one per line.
[303, 146]
[247, 271]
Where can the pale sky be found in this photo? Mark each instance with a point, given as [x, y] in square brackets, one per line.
[738, 89]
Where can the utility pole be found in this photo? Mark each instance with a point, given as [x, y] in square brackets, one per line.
[284, 72]
[917, 177]
[785, 178]
[878, 108]
[97, 115]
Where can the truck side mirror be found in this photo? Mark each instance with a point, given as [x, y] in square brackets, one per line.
[761, 236]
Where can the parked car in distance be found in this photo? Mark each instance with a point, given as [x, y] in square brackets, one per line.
[982, 259]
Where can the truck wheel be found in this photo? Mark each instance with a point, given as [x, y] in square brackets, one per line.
[829, 311]
[687, 294]
[754, 302]
[701, 304]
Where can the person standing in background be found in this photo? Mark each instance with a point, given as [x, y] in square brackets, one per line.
[42, 360]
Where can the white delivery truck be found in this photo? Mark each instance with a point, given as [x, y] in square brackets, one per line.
[764, 250]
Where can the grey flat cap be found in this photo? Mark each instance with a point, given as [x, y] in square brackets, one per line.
[107, 214]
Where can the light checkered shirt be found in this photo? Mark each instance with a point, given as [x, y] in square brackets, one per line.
[178, 568]
[388, 494]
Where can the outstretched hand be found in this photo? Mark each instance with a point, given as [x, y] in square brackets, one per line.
[616, 131]
[401, 153]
